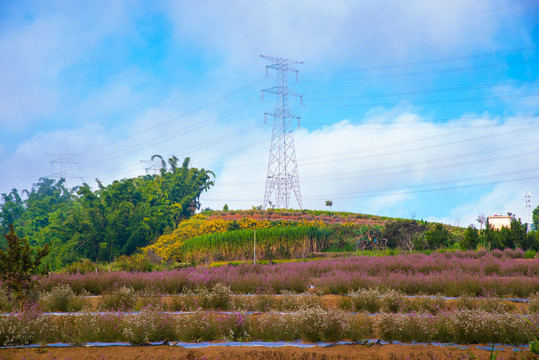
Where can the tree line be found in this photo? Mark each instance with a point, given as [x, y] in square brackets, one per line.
[413, 235]
[107, 222]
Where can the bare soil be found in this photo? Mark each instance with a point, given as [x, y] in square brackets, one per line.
[378, 352]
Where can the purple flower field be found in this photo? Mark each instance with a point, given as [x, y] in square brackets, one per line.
[450, 274]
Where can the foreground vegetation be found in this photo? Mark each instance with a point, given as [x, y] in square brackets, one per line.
[452, 274]
[289, 301]
[311, 324]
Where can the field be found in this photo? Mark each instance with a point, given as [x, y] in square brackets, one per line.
[457, 298]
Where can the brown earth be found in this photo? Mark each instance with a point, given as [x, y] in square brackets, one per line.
[378, 352]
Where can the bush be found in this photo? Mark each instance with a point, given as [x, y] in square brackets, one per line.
[121, 299]
[197, 327]
[60, 298]
[405, 327]
[21, 328]
[216, 299]
[366, 300]
[150, 324]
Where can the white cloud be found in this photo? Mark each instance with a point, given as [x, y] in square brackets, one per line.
[35, 50]
[395, 168]
[361, 32]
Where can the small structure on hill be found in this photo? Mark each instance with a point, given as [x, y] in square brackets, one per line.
[497, 221]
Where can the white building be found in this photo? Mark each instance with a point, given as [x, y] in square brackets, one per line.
[498, 221]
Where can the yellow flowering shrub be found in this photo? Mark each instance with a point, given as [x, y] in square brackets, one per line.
[168, 246]
[317, 222]
[249, 223]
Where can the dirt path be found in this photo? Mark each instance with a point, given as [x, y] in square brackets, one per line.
[378, 352]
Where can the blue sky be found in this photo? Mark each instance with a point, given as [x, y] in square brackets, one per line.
[410, 108]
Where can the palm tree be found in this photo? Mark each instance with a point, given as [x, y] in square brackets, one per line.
[329, 203]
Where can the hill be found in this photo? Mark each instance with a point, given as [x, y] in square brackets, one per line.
[284, 234]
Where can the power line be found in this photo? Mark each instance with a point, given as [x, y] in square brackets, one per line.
[437, 71]
[181, 132]
[393, 191]
[433, 61]
[426, 91]
[181, 116]
[429, 102]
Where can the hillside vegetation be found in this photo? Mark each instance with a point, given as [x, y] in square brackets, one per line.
[108, 222]
[287, 234]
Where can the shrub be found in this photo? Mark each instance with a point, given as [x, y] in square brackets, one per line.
[496, 253]
[197, 327]
[150, 324]
[316, 324]
[533, 306]
[366, 300]
[218, 298]
[22, 327]
[122, 299]
[425, 304]
[405, 327]
[391, 301]
[58, 299]
[478, 326]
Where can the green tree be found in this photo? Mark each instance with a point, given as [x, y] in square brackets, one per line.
[329, 204]
[438, 236]
[11, 210]
[535, 217]
[18, 264]
[403, 233]
[471, 238]
[518, 234]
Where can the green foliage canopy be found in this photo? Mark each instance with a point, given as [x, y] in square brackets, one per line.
[111, 221]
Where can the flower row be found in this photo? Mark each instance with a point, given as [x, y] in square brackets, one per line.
[445, 274]
[310, 324]
[220, 297]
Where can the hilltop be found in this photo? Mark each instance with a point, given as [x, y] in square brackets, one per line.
[329, 217]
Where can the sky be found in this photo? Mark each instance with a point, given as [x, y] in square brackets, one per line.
[413, 109]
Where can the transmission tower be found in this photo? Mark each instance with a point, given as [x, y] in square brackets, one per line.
[528, 204]
[154, 166]
[61, 163]
[282, 177]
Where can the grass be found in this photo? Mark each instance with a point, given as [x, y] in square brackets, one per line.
[271, 243]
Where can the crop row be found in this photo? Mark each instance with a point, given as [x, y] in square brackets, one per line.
[311, 324]
[446, 274]
[220, 297]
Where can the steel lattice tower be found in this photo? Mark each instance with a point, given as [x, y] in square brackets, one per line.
[282, 177]
[528, 204]
[62, 162]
